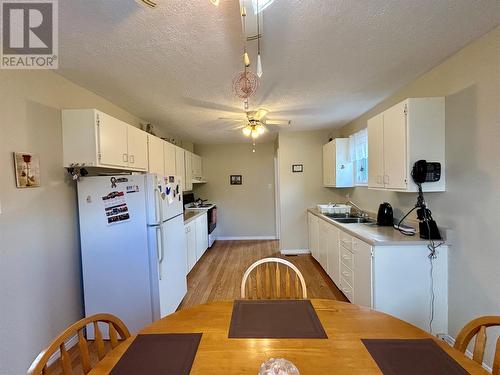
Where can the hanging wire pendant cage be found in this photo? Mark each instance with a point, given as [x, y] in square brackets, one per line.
[245, 84]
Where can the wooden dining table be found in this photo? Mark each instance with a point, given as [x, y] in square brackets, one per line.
[342, 353]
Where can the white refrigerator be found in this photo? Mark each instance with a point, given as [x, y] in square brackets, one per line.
[133, 249]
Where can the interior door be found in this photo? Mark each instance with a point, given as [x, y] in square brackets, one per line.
[395, 147]
[376, 151]
[112, 135]
[169, 158]
[155, 155]
[137, 148]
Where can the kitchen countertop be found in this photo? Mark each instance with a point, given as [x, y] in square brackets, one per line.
[373, 234]
[190, 215]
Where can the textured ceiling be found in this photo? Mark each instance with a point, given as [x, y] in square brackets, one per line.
[325, 61]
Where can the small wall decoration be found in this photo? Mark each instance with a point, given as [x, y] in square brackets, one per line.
[236, 179]
[297, 168]
[27, 168]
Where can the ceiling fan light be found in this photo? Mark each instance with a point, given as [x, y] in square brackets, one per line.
[261, 129]
[254, 134]
[247, 131]
[259, 66]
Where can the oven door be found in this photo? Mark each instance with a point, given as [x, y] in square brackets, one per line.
[212, 219]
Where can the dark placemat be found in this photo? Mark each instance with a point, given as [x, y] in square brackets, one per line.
[412, 357]
[278, 319]
[155, 354]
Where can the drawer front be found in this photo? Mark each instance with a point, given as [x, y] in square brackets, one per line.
[346, 257]
[346, 274]
[346, 289]
[345, 240]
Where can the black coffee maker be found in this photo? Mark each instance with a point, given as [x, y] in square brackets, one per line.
[385, 215]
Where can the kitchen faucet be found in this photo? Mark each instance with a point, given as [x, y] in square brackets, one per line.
[361, 212]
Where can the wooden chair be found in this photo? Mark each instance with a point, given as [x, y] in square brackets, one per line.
[116, 328]
[263, 286]
[477, 327]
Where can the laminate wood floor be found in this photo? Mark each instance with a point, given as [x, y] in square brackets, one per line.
[217, 275]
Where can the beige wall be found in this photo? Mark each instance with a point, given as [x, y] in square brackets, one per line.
[40, 288]
[300, 191]
[470, 81]
[246, 210]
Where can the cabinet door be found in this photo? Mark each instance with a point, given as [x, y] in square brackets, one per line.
[188, 160]
[362, 273]
[197, 172]
[180, 168]
[201, 236]
[169, 158]
[376, 151]
[323, 243]
[190, 230]
[137, 148]
[329, 164]
[395, 147]
[112, 141]
[333, 254]
[156, 163]
[313, 235]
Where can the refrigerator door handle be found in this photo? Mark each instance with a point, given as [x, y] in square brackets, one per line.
[158, 207]
[159, 248]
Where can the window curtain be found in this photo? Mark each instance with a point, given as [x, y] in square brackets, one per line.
[358, 145]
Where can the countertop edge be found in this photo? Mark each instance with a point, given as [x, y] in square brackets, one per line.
[193, 215]
[411, 241]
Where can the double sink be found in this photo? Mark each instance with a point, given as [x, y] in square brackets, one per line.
[348, 219]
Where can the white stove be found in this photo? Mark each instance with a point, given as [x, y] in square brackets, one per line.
[203, 206]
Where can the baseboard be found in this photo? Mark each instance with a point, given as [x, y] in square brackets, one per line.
[294, 251]
[245, 238]
[451, 341]
[69, 344]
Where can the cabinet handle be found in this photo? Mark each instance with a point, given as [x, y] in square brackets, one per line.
[125, 158]
[132, 159]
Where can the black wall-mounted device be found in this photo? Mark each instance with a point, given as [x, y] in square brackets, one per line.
[424, 171]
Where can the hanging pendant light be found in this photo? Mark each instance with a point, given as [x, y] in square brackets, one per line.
[259, 66]
[259, 60]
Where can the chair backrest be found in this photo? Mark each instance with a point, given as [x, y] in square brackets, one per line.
[265, 282]
[117, 333]
[477, 327]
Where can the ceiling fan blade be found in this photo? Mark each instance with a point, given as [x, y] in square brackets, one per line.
[261, 113]
[279, 122]
[232, 118]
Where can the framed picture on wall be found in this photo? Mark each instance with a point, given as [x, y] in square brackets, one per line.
[27, 169]
[236, 179]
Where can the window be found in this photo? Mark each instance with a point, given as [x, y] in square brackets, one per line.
[358, 148]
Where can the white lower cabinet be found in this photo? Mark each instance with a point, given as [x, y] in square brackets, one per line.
[394, 279]
[196, 239]
[313, 224]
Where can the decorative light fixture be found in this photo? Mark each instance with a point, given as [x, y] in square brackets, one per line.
[254, 129]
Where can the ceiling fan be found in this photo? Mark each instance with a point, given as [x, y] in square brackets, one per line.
[256, 123]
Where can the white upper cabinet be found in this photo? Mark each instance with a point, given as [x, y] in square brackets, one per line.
[337, 167]
[188, 160]
[95, 139]
[376, 151]
[169, 159]
[155, 155]
[197, 166]
[137, 148]
[180, 168]
[409, 131]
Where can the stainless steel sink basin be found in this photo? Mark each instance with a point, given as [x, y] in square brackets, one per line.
[349, 219]
[352, 220]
